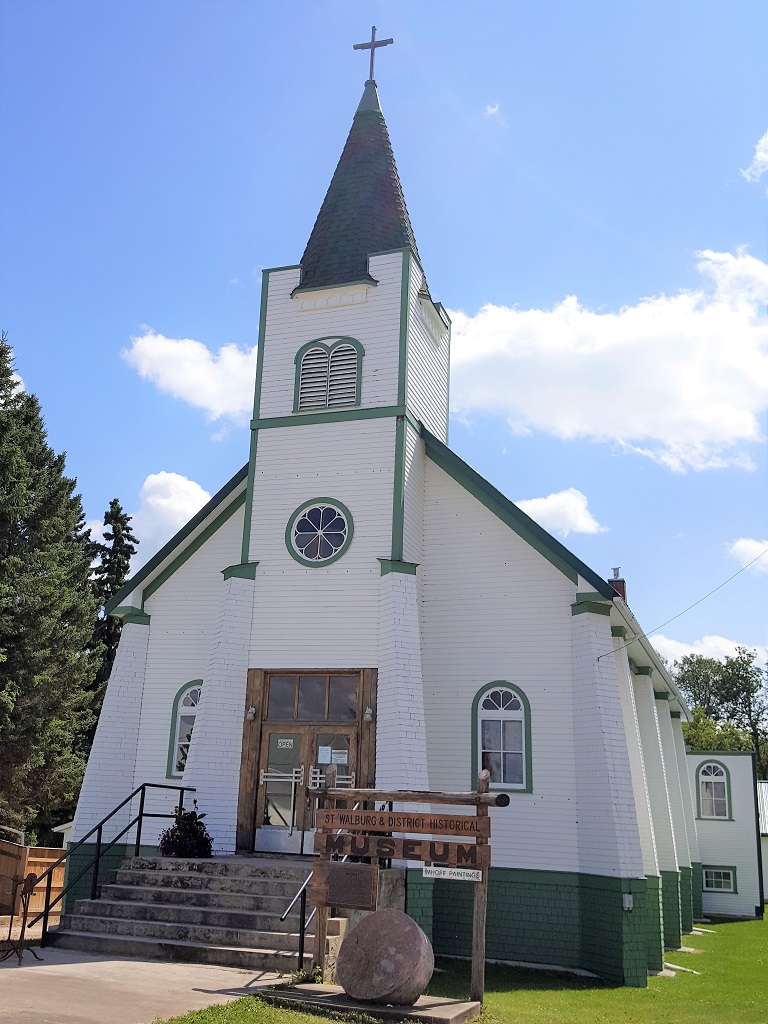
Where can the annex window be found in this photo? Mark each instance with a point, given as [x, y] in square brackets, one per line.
[313, 697]
[713, 790]
[716, 879]
[502, 736]
[183, 716]
[328, 373]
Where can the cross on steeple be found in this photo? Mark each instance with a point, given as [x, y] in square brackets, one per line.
[372, 46]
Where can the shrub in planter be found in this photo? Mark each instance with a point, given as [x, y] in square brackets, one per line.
[187, 837]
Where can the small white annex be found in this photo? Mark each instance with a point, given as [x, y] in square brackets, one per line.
[357, 595]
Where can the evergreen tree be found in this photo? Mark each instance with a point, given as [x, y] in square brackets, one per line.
[47, 609]
[108, 577]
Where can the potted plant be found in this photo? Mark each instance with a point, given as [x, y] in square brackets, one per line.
[187, 837]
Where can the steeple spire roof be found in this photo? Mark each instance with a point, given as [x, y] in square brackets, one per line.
[364, 209]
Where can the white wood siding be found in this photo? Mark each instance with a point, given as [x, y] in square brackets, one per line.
[428, 364]
[657, 779]
[307, 617]
[413, 496]
[494, 608]
[375, 323]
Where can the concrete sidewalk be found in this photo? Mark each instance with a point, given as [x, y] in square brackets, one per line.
[78, 988]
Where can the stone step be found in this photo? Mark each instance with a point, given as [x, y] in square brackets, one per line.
[219, 882]
[213, 898]
[214, 917]
[281, 961]
[233, 867]
[168, 931]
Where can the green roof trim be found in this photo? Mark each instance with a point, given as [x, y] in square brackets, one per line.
[389, 565]
[176, 541]
[244, 571]
[505, 510]
[130, 614]
[640, 670]
[619, 631]
[597, 608]
[661, 695]
[364, 209]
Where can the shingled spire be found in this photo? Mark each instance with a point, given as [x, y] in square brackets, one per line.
[364, 209]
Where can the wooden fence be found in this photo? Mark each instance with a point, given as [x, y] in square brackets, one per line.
[16, 862]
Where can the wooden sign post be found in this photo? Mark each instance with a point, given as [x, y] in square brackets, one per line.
[359, 830]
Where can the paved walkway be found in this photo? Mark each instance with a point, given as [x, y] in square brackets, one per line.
[78, 988]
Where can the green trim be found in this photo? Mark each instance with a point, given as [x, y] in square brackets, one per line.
[178, 539]
[244, 571]
[619, 631]
[289, 530]
[675, 714]
[128, 613]
[589, 606]
[370, 282]
[261, 339]
[640, 670]
[728, 804]
[328, 416]
[248, 515]
[505, 510]
[341, 339]
[398, 491]
[528, 787]
[719, 867]
[405, 306]
[590, 596]
[389, 565]
[660, 694]
[169, 772]
[725, 753]
[194, 546]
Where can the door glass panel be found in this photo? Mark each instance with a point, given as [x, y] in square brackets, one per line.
[333, 748]
[282, 695]
[311, 698]
[283, 757]
[342, 698]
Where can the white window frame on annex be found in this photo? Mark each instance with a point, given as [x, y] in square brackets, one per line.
[722, 778]
[328, 348]
[521, 714]
[714, 870]
[177, 713]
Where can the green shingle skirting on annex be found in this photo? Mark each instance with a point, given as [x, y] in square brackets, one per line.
[697, 886]
[686, 899]
[78, 862]
[670, 903]
[505, 510]
[546, 917]
[654, 924]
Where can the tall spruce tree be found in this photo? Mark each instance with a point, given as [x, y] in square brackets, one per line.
[47, 609]
[114, 555]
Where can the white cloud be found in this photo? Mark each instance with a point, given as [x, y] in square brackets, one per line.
[719, 647]
[681, 379]
[747, 549]
[562, 513]
[167, 501]
[220, 383]
[491, 110]
[96, 526]
[759, 165]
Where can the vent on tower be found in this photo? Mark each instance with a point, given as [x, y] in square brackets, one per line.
[328, 378]
[342, 376]
[313, 386]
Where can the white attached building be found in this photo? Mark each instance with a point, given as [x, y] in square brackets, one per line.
[358, 595]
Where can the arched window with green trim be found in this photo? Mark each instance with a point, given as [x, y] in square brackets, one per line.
[328, 374]
[713, 790]
[183, 715]
[501, 736]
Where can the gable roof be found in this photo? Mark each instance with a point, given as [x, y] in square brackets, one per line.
[364, 209]
[514, 517]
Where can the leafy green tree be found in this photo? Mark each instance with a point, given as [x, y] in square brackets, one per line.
[744, 698]
[47, 609]
[114, 554]
[704, 733]
[699, 679]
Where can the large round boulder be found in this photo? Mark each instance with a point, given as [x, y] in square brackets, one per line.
[386, 958]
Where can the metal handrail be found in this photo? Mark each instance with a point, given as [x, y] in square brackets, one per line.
[98, 829]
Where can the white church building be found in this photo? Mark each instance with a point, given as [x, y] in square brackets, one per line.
[357, 595]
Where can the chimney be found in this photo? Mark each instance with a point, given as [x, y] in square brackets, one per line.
[619, 584]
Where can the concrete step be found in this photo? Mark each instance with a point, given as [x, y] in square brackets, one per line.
[282, 961]
[215, 917]
[233, 867]
[213, 898]
[170, 931]
[218, 881]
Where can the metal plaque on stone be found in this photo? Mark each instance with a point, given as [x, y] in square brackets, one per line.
[350, 886]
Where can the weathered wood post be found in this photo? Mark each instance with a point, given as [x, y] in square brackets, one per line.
[321, 913]
[481, 903]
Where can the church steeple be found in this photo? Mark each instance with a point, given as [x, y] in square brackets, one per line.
[364, 209]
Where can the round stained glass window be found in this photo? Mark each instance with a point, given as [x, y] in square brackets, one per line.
[319, 532]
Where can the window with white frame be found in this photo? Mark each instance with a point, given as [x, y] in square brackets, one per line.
[718, 879]
[502, 736]
[182, 723]
[328, 375]
[713, 790]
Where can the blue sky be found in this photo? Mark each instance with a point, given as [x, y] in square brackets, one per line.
[587, 184]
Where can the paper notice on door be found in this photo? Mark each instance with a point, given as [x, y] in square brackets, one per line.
[324, 755]
[339, 756]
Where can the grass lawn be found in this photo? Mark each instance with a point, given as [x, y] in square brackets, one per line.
[732, 988]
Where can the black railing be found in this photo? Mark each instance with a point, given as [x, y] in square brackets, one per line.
[101, 849]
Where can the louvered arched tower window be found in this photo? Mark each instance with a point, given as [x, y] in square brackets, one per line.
[328, 374]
